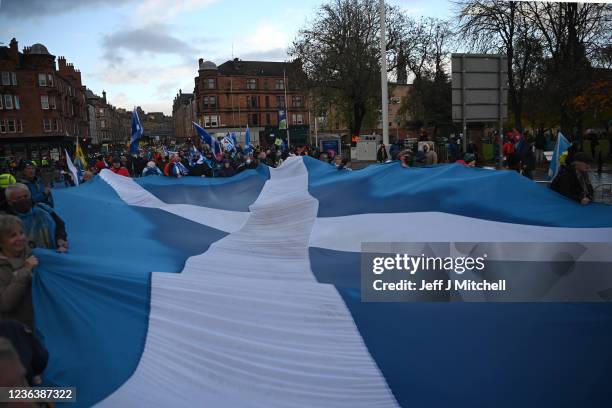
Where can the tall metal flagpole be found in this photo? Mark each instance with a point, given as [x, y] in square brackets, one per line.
[285, 82]
[383, 76]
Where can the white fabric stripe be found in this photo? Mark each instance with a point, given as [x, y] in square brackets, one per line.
[348, 232]
[133, 194]
[247, 325]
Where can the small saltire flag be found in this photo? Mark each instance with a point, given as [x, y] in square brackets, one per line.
[282, 119]
[248, 147]
[136, 132]
[206, 138]
[562, 145]
[234, 140]
[73, 170]
[228, 145]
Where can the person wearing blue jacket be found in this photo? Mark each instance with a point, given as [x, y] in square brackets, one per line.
[39, 190]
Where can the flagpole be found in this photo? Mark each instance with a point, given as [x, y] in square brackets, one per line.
[383, 77]
[285, 82]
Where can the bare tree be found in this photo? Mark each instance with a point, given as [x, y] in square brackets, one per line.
[499, 26]
[340, 55]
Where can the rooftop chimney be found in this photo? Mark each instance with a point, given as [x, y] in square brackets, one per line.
[104, 96]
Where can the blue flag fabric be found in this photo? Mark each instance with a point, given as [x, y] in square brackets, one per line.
[137, 131]
[248, 147]
[562, 145]
[280, 322]
[206, 138]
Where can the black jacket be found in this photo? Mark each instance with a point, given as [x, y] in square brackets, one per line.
[567, 183]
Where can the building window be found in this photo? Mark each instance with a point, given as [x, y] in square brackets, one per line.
[102, 124]
[280, 101]
[251, 101]
[46, 125]
[211, 120]
[297, 101]
[55, 125]
[267, 118]
[210, 101]
[251, 84]
[17, 104]
[255, 119]
[280, 84]
[6, 78]
[8, 102]
[11, 125]
[19, 127]
[101, 111]
[50, 77]
[14, 78]
[297, 119]
[52, 102]
[1, 97]
[44, 101]
[2, 126]
[42, 80]
[267, 101]
[211, 83]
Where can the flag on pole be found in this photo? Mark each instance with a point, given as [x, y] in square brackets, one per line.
[562, 145]
[80, 157]
[227, 143]
[282, 119]
[137, 131]
[206, 138]
[248, 147]
[73, 170]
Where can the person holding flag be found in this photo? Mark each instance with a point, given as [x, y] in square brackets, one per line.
[573, 179]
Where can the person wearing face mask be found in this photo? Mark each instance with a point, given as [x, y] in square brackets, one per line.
[43, 227]
[16, 266]
[41, 193]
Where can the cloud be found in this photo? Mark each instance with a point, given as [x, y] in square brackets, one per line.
[276, 54]
[153, 39]
[43, 8]
[163, 10]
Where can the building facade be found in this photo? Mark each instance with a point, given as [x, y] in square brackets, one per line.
[43, 108]
[238, 93]
[106, 122]
[184, 113]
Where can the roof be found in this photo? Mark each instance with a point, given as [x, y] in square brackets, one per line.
[38, 48]
[255, 68]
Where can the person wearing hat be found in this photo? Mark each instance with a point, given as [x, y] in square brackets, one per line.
[573, 179]
[117, 168]
[469, 160]
[40, 191]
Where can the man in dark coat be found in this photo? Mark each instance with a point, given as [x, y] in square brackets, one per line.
[573, 179]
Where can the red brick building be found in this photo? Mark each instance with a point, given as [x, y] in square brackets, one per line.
[237, 93]
[43, 108]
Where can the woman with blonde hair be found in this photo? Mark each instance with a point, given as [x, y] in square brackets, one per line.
[16, 266]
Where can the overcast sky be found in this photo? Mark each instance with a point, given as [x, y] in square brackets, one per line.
[142, 52]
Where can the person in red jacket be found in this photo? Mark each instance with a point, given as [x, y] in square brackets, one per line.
[118, 169]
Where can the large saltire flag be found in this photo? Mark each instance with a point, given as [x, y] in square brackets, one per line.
[137, 131]
[561, 147]
[246, 292]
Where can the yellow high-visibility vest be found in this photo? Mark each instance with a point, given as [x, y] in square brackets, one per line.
[6, 180]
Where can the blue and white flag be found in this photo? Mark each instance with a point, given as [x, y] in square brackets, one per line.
[282, 119]
[228, 144]
[137, 131]
[206, 138]
[246, 292]
[562, 145]
[76, 176]
[248, 147]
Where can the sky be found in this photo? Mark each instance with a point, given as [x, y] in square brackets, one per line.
[142, 52]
